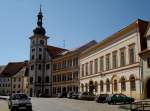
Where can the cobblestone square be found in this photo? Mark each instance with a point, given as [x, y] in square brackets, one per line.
[64, 104]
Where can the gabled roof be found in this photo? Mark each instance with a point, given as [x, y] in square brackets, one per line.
[54, 51]
[12, 68]
[85, 46]
[81, 48]
[139, 24]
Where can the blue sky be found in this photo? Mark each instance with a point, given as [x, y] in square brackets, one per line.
[75, 21]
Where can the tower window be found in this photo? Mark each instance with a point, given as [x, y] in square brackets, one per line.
[40, 56]
[33, 42]
[32, 67]
[42, 42]
[32, 57]
[31, 80]
[40, 49]
[39, 79]
[47, 66]
[33, 50]
[39, 67]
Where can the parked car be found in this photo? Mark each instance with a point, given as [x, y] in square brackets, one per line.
[19, 101]
[119, 98]
[62, 95]
[86, 96]
[69, 95]
[75, 95]
[101, 98]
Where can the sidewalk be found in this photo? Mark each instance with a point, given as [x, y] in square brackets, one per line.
[4, 97]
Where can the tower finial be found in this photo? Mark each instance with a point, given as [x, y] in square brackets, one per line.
[40, 7]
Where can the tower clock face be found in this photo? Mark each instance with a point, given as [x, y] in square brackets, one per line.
[42, 42]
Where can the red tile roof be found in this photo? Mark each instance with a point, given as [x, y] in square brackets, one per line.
[55, 51]
[12, 68]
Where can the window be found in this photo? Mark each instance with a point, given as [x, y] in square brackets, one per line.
[148, 62]
[75, 61]
[107, 85]
[33, 42]
[47, 66]
[40, 56]
[39, 79]
[31, 80]
[131, 55]
[107, 61]
[42, 42]
[86, 69]
[32, 67]
[47, 79]
[18, 85]
[114, 59]
[75, 75]
[19, 79]
[132, 83]
[91, 67]
[33, 49]
[101, 86]
[82, 70]
[40, 49]
[102, 64]
[123, 84]
[122, 57]
[96, 65]
[115, 85]
[32, 57]
[39, 67]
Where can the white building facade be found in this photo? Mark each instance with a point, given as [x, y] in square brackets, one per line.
[114, 65]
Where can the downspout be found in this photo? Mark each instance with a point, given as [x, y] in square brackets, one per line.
[141, 79]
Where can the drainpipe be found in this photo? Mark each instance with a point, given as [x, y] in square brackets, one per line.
[141, 78]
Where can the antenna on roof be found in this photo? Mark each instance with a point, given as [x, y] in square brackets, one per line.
[64, 44]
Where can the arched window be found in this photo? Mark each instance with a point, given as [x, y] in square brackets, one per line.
[82, 87]
[107, 85]
[101, 86]
[123, 84]
[39, 79]
[96, 86]
[115, 85]
[47, 79]
[132, 83]
[86, 87]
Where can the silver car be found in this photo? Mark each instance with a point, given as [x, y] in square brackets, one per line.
[19, 101]
[86, 96]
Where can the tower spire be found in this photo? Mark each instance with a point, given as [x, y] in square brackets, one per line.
[40, 8]
[39, 29]
[40, 16]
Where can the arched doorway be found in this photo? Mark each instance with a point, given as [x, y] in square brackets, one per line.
[91, 86]
[148, 88]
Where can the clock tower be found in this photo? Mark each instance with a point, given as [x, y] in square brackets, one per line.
[38, 52]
